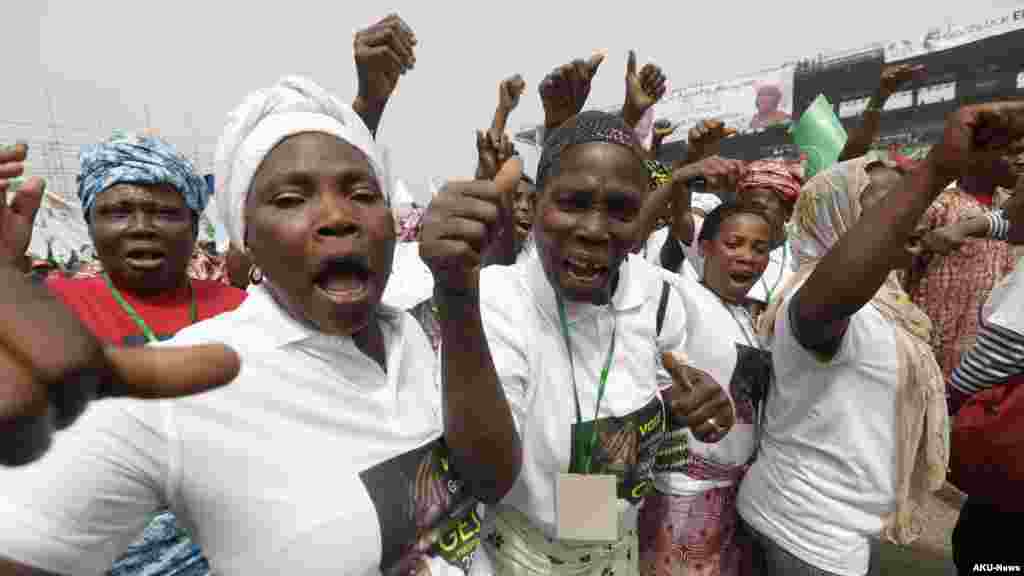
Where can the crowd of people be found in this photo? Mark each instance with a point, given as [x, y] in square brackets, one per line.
[610, 366]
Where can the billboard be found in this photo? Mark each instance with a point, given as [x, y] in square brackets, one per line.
[749, 103]
[938, 39]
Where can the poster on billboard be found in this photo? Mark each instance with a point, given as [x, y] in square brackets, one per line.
[749, 103]
[938, 39]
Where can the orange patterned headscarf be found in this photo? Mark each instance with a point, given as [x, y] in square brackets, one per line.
[771, 175]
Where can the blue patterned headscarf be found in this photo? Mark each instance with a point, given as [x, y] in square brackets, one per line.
[136, 159]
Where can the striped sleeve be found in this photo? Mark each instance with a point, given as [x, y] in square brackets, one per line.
[997, 354]
[998, 225]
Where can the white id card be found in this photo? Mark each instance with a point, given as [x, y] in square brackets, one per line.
[586, 508]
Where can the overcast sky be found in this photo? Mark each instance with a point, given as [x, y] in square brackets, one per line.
[103, 62]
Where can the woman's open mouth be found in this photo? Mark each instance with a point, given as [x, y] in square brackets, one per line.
[583, 271]
[145, 258]
[344, 281]
[743, 277]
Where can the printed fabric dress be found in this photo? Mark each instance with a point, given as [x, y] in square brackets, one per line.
[688, 525]
[951, 289]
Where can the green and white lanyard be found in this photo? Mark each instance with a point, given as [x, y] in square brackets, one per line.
[769, 292]
[584, 448]
[130, 310]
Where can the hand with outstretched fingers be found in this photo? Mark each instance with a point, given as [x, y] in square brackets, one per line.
[564, 91]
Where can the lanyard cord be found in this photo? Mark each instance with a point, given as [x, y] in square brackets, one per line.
[759, 424]
[743, 330]
[769, 292]
[137, 319]
[584, 451]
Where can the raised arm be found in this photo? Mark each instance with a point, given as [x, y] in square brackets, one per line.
[992, 225]
[861, 138]
[718, 172]
[643, 89]
[478, 423]
[492, 146]
[950, 238]
[662, 129]
[21, 214]
[509, 92]
[704, 141]
[383, 53]
[494, 149]
[564, 91]
[973, 139]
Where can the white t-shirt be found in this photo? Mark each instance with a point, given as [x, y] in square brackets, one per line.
[306, 463]
[521, 320]
[411, 281]
[825, 474]
[781, 265]
[722, 342]
[1005, 305]
[652, 252]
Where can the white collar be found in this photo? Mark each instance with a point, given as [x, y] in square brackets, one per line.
[279, 328]
[632, 290]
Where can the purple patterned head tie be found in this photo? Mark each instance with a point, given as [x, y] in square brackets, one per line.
[584, 128]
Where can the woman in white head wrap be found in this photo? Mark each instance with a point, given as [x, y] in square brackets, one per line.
[331, 450]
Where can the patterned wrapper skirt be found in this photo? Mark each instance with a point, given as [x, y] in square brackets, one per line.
[515, 547]
[692, 535]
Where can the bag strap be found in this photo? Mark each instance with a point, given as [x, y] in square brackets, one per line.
[662, 305]
[671, 255]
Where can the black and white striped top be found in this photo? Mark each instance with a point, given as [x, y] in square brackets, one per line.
[998, 225]
[998, 352]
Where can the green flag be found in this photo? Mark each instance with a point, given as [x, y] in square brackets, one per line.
[820, 136]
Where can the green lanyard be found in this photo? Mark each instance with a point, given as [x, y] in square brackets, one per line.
[782, 271]
[130, 311]
[584, 450]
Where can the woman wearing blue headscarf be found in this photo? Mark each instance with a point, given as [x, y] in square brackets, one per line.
[142, 201]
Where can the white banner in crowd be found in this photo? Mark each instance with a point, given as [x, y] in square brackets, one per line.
[938, 39]
[60, 231]
[748, 103]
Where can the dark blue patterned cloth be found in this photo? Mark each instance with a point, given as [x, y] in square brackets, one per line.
[164, 549]
[131, 158]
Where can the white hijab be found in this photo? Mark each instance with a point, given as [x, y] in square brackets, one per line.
[291, 106]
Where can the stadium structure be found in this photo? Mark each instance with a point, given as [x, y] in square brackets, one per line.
[965, 64]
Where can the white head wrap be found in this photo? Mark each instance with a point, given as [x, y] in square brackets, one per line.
[292, 106]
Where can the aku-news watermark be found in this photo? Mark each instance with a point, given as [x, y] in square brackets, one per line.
[982, 568]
